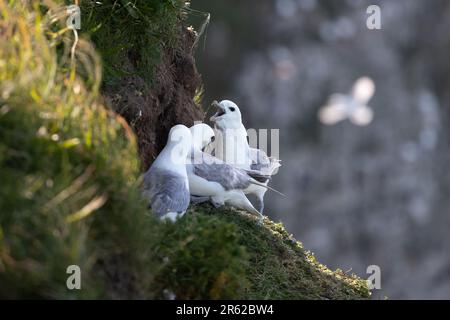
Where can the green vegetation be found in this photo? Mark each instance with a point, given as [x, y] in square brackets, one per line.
[141, 28]
[69, 194]
[63, 157]
[257, 262]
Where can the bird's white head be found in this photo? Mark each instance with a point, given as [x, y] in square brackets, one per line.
[202, 135]
[180, 141]
[228, 115]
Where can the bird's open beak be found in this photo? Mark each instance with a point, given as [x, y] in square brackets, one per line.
[220, 111]
[204, 148]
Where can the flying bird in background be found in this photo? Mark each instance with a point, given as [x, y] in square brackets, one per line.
[166, 183]
[352, 106]
[232, 147]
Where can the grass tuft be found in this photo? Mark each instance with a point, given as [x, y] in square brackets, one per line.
[62, 157]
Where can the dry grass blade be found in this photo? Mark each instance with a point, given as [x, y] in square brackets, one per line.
[72, 189]
[93, 205]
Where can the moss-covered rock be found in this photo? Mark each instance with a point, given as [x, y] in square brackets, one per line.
[225, 253]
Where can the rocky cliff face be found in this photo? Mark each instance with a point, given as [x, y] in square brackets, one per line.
[153, 108]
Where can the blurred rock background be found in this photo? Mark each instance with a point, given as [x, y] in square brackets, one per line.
[357, 196]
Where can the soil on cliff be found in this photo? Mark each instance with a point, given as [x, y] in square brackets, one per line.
[153, 108]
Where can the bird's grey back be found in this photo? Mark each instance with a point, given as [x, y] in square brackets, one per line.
[166, 190]
[215, 170]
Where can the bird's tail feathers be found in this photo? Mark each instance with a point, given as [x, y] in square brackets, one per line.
[253, 181]
[255, 174]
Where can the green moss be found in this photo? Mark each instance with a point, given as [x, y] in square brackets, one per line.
[64, 158]
[273, 265]
[139, 30]
[200, 257]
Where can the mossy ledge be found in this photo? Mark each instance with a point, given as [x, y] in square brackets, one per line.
[252, 261]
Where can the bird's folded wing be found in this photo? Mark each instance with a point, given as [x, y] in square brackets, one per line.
[258, 175]
[215, 170]
[166, 191]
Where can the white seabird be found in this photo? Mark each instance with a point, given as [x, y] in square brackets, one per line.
[352, 106]
[210, 179]
[165, 183]
[232, 147]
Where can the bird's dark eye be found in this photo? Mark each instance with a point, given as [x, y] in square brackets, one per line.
[232, 109]
[213, 138]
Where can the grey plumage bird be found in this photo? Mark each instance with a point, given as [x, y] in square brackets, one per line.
[165, 183]
[210, 179]
[232, 147]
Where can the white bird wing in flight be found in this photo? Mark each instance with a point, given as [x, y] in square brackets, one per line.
[362, 116]
[363, 90]
[335, 111]
[166, 190]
